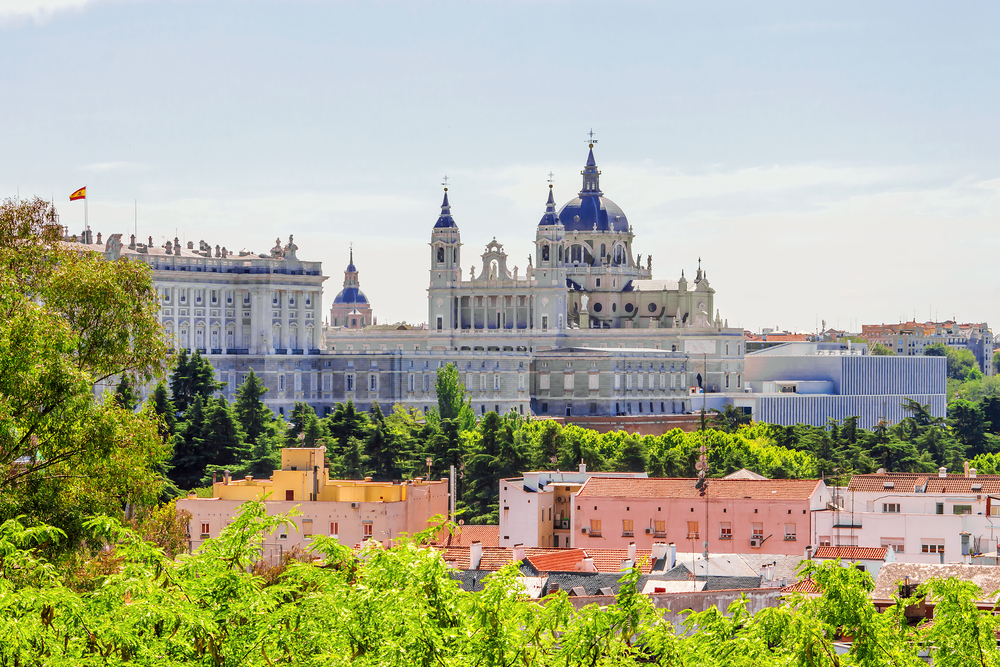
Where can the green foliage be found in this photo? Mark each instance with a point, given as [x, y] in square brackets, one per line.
[192, 376]
[962, 364]
[70, 320]
[250, 410]
[400, 607]
[126, 395]
[879, 349]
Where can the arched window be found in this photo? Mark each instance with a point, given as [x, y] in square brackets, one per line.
[545, 253]
[440, 254]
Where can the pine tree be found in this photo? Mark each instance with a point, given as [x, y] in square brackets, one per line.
[164, 407]
[188, 461]
[125, 394]
[193, 376]
[250, 410]
[222, 438]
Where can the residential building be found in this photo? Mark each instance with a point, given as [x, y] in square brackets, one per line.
[866, 559]
[535, 508]
[912, 338]
[811, 383]
[936, 518]
[771, 516]
[352, 511]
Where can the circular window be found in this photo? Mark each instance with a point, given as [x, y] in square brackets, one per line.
[614, 307]
[652, 307]
[597, 307]
[629, 307]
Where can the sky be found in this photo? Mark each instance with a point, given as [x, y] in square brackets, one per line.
[826, 161]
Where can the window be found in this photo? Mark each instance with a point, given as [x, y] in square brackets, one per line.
[935, 546]
[298, 382]
[326, 382]
[725, 530]
[496, 382]
[897, 543]
[595, 527]
[594, 381]
[962, 509]
[307, 527]
[411, 382]
[659, 528]
[568, 381]
[890, 508]
[205, 533]
[627, 528]
[692, 530]
[824, 540]
[366, 530]
[789, 532]
[373, 382]
[281, 382]
[757, 531]
[349, 382]
[939, 508]
[545, 322]
[289, 494]
[334, 529]
[543, 381]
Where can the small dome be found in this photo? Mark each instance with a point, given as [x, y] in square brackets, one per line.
[582, 213]
[351, 295]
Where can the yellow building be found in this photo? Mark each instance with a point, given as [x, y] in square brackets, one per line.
[351, 510]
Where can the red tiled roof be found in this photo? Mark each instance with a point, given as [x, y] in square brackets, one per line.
[850, 553]
[610, 560]
[755, 489]
[563, 560]
[805, 586]
[905, 483]
[464, 536]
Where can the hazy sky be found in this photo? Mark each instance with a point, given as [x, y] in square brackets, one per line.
[826, 160]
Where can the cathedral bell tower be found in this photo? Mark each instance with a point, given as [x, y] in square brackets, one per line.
[445, 270]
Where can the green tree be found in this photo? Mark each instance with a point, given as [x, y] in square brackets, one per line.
[222, 442]
[126, 395]
[881, 350]
[970, 426]
[250, 410]
[192, 376]
[69, 320]
[164, 408]
[188, 463]
[452, 399]
[962, 364]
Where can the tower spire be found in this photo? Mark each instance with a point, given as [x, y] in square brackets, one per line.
[550, 217]
[445, 220]
[591, 174]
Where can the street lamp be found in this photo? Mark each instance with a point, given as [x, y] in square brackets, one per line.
[430, 460]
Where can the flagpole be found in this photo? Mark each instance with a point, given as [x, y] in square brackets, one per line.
[86, 219]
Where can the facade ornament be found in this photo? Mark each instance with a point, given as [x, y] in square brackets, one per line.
[291, 248]
[276, 250]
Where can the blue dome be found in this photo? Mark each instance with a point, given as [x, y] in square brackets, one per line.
[351, 295]
[591, 210]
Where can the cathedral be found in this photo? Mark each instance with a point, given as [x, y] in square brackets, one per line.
[584, 329]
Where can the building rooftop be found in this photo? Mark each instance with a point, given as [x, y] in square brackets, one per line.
[763, 489]
[850, 553]
[891, 575]
[897, 482]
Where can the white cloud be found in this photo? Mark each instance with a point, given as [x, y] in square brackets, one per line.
[39, 10]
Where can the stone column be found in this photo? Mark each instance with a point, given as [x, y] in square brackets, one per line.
[317, 297]
[284, 322]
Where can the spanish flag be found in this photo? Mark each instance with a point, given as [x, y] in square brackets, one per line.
[79, 194]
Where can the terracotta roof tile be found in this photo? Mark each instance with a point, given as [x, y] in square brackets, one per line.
[610, 560]
[464, 536]
[807, 586]
[562, 560]
[907, 482]
[762, 489]
[850, 553]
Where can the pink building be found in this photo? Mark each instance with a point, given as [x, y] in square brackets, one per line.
[770, 516]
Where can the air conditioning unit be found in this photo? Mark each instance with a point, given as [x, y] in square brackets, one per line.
[354, 506]
[755, 543]
[649, 530]
[560, 499]
[583, 530]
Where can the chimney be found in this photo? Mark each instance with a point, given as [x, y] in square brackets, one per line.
[131, 242]
[631, 551]
[972, 472]
[942, 472]
[583, 467]
[518, 553]
[659, 550]
[98, 237]
[809, 552]
[150, 244]
[671, 556]
[190, 245]
[964, 465]
[587, 565]
[225, 476]
[213, 477]
[475, 555]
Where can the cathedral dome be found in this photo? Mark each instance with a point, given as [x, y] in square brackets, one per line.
[583, 213]
[351, 295]
[590, 209]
